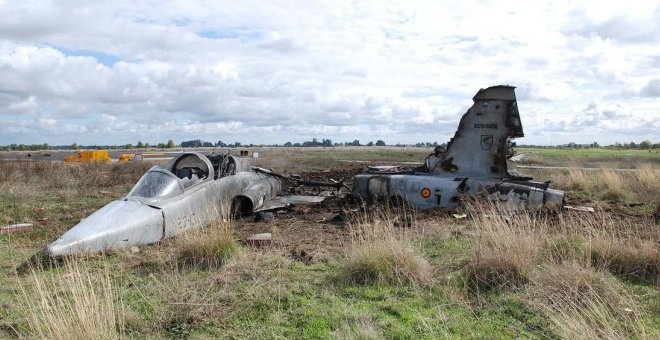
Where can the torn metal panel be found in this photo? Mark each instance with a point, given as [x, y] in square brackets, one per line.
[281, 202]
[474, 161]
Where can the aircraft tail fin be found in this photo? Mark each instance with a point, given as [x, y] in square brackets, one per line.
[479, 146]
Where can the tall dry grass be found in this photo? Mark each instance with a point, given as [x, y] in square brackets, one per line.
[75, 304]
[209, 247]
[642, 183]
[382, 253]
[562, 263]
[611, 184]
[583, 303]
[508, 247]
[33, 179]
[647, 182]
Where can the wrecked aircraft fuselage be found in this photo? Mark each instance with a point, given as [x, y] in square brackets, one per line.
[474, 162]
[188, 192]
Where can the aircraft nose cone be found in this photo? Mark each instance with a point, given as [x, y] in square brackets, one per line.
[119, 224]
[55, 250]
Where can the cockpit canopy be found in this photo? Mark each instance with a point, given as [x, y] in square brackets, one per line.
[157, 182]
[174, 177]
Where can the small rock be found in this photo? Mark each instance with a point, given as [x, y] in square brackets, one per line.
[259, 240]
[339, 220]
[405, 222]
[105, 192]
[327, 171]
[295, 176]
[302, 256]
[135, 249]
[42, 221]
[263, 216]
[459, 216]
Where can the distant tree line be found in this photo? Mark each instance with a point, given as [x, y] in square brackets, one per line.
[643, 145]
[197, 143]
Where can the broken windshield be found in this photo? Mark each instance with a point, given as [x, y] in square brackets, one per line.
[157, 183]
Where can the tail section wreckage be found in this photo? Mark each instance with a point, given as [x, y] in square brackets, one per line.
[473, 162]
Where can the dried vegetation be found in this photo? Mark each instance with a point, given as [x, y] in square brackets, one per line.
[581, 273]
[382, 253]
[75, 303]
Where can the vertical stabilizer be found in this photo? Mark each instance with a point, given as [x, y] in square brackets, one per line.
[479, 146]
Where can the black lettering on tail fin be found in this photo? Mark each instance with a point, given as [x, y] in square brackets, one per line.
[480, 144]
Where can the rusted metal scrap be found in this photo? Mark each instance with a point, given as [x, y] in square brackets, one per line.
[473, 162]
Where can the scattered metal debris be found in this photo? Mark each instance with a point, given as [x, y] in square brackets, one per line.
[259, 240]
[519, 158]
[263, 216]
[584, 209]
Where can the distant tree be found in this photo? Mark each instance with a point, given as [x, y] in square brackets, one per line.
[170, 144]
[140, 145]
[326, 142]
[146, 145]
[647, 144]
[380, 143]
[74, 146]
[595, 145]
[162, 145]
[128, 146]
[191, 143]
[356, 143]
[370, 144]
[288, 144]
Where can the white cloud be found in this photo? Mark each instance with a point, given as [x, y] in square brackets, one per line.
[261, 72]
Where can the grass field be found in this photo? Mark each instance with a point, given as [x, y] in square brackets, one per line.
[591, 157]
[532, 275]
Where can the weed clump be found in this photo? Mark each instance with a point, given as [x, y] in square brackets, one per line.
[506, 251]
[383, 255]
[207, 248]
[386, 262]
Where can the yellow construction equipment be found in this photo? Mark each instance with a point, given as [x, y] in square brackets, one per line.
[126, 157]
[89, 156]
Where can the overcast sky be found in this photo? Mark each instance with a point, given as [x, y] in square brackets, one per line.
[99, 72]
